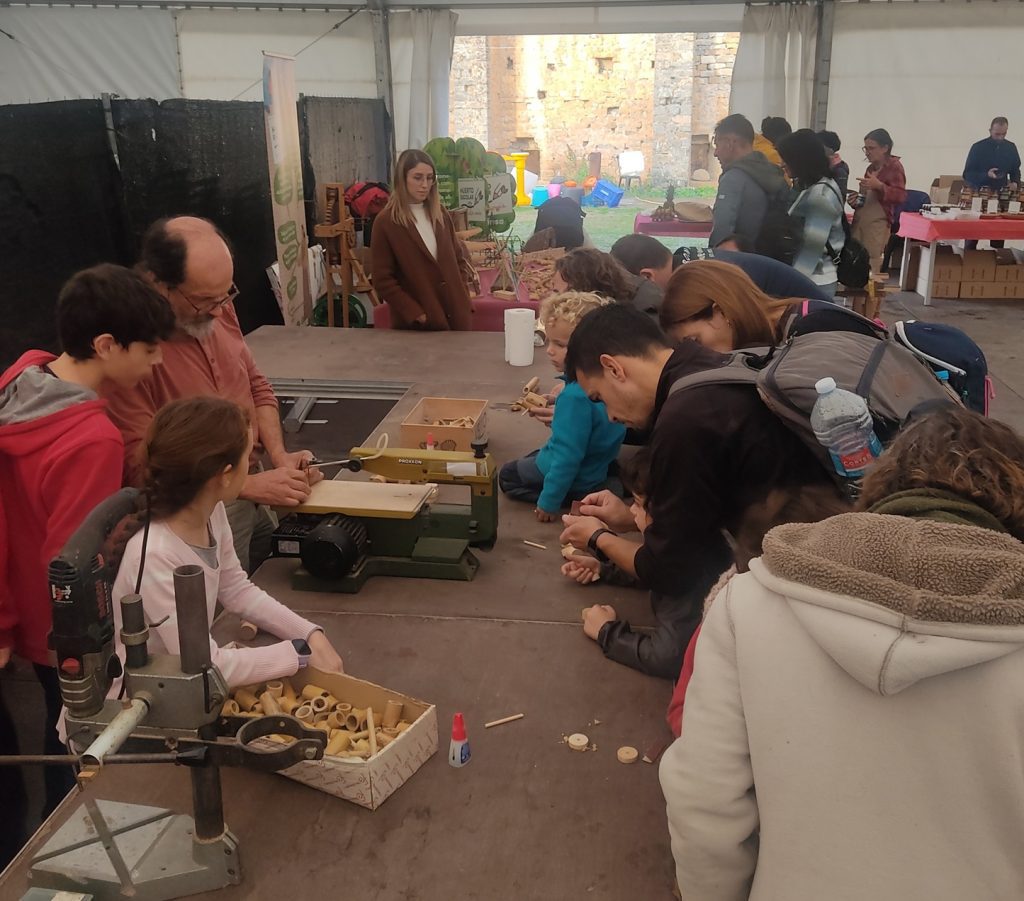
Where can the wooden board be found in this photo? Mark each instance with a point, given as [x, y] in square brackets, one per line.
[386, 501]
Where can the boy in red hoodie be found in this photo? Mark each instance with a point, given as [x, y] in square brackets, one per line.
[60, 455]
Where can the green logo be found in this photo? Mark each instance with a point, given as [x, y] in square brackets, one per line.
[293, 286]
[284, 184]
[288, 232]
[289, 255]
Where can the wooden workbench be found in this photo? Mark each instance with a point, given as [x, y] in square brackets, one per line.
[527, 818]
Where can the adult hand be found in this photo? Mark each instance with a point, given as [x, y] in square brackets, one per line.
[284, 487]
[993, 172]
[5, 657]
[542, 414]
[610, 509]
[582, 569]
[421, 319]
[324, 657]
[578, 530]
[595, 617]
[300, 460]
[871, 183]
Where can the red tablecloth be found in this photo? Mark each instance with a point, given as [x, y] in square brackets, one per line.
[645, 225]
[489, 315]
[917, 227]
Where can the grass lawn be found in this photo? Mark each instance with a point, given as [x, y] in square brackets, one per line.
[606, 225]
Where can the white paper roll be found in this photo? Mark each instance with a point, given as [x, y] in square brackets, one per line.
[519, 346]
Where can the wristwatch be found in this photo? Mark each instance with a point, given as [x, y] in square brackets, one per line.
[304, 651]
[592, 544]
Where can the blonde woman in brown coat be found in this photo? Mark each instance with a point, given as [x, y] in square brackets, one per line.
[420, 268]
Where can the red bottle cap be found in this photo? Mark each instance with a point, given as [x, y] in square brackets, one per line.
[430, 439]
[458, 728]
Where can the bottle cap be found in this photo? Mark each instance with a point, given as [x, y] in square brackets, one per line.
[430, 439]
[825, 385]
[458, 728]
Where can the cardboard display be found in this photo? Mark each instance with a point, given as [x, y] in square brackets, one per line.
[420, 423]
[946, 189]
[367, 782]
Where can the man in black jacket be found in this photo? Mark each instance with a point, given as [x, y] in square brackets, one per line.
[717, 452]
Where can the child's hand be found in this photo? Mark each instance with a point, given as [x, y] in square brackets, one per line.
[324, 657]
[556, 389]
[595, 617]
[543, 414]
[543, 515]
[582, 569]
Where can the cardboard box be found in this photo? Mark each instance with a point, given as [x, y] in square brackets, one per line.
[366, 782]
[978, 266]
[946, 189]
[948, 290]
[988, 290]
[420, 422]
[1008, 267]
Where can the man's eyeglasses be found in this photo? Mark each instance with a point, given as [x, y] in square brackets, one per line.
[208, 306]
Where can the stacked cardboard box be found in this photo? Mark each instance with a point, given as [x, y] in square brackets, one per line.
[969, 274]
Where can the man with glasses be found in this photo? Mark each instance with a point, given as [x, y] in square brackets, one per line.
[188, 261]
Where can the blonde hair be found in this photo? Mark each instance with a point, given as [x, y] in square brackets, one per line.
[571, 306]
[398, 205]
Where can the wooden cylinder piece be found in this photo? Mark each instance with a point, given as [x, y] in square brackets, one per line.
[392, 714]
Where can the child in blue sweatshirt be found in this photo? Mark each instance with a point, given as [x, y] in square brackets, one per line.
[583, 442]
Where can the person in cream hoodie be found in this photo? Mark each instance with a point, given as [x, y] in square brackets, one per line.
[854, 729]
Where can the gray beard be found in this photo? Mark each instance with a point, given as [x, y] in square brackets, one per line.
[196, 329]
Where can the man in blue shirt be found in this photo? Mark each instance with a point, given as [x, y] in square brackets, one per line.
[993, 163]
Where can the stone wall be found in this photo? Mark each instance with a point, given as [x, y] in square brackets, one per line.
[562, 97]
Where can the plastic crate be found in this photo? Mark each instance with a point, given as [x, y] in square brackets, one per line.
[608, 193]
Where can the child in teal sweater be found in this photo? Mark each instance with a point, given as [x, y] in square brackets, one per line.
[583, 442]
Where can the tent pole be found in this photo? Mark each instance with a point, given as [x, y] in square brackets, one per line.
[822, 63]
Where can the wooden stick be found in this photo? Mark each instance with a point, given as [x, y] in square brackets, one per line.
[543, 547]
[503, 720]
[372, 730]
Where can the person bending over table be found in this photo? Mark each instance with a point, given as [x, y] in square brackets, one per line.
[420, 268]
[189, 262]
[594, 271]
[716, 451]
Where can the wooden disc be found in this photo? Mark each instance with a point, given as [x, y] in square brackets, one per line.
[626, 754]
[579, 742]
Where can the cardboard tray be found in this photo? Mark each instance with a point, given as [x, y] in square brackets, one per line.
[418, 424]
[368, 783]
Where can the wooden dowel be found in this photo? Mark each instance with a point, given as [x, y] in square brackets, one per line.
[507, 719]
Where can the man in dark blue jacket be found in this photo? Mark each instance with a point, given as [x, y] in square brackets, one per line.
[993, 163]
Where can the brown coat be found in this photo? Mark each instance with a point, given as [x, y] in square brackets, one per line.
[413, 283]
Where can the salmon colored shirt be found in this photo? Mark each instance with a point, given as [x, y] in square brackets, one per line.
[221, 365]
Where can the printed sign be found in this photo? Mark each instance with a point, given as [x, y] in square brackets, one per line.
[472, 196]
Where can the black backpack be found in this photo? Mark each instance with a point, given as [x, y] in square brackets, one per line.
[565, 216]
[853, 262]
[947, 349]
[781, 234]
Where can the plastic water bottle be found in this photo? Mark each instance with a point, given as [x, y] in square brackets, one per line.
[842, 423]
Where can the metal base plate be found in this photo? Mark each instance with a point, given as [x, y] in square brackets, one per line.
[461, 568]
[147, 850]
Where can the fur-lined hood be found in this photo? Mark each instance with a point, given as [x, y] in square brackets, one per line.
[894, 600]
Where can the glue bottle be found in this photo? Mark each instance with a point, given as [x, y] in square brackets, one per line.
[458, 750]
[430, 441]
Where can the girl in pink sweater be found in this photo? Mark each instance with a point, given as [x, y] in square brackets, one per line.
[196, 457]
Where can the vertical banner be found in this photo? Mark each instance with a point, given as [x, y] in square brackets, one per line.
[286, 196]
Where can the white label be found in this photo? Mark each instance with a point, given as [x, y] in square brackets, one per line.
[500, 193]
[288, 547]
[1013, 207]
[472, 196]
[976, 204]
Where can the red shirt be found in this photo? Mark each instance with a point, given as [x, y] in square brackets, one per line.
[220, 364]
[54, 469]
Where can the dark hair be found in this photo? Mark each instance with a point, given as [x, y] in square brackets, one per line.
[738, 125]
[588, 269]
[880, 136]
[635, 473]
[618, 329]
[109, 299]
[775, 128]
[565, 216]
[805, 156]
[164, 251]
[1000, 120]
[831, 141]
[957, 450]
[188, 442]
[638, 252]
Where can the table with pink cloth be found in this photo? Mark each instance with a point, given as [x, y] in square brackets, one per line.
[488, 310]
[643, 224]
[915, 227]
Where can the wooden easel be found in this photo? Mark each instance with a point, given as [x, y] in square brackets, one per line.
[337, 233]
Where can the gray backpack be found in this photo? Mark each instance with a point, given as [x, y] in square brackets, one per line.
[889, 377]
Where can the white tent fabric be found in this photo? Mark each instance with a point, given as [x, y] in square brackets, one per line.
[933, 74]
[774, 70]
[422, 42]
[69, 53]
[631, 18]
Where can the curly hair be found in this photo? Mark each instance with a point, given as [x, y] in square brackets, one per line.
[587, 269]
[571, 306]
[957, 450]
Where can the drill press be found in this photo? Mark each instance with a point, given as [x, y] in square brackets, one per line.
[169, 712]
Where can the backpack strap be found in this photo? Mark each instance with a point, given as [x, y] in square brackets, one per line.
[742, 369]
[842, 216]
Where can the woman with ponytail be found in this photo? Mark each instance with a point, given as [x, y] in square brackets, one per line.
[196, 458]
